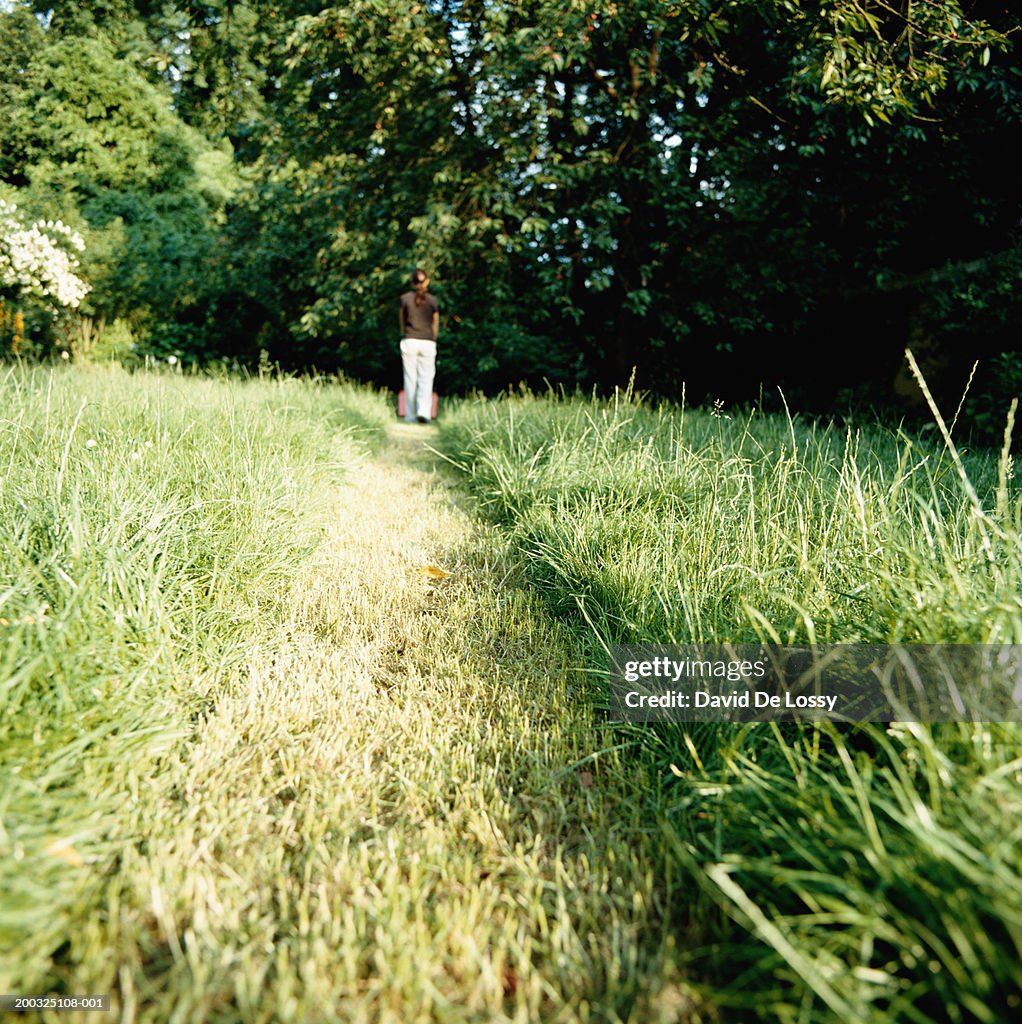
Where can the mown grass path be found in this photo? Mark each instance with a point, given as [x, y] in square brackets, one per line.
[392, 813]
[256, 764]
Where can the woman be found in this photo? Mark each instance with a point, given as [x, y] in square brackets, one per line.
[420, 323]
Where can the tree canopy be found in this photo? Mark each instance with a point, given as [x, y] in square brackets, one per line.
[720, 194]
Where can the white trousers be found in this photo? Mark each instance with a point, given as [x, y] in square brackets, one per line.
[418, 357]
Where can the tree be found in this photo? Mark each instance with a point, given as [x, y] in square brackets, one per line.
[701, 190]
[86, 136]
[633, 180]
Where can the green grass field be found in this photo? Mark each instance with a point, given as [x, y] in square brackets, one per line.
[862, 873]
[150, 529]
[261, 761]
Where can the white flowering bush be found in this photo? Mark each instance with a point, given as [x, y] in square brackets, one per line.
[39, 261]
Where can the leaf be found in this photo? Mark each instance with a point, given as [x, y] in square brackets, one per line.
[434, 572]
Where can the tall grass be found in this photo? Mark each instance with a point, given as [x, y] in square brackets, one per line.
[683, 526]
[256, 766]
[862, 874]
[149, 524]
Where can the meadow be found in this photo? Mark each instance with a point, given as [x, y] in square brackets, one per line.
[150, 525]
[832, 873]
[262, 758]
[298, 722]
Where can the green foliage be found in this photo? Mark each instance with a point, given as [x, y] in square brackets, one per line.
[91, 341]
[883, 61]
[631, 182]
[696, 190]
[989, 406]
[88, 137]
